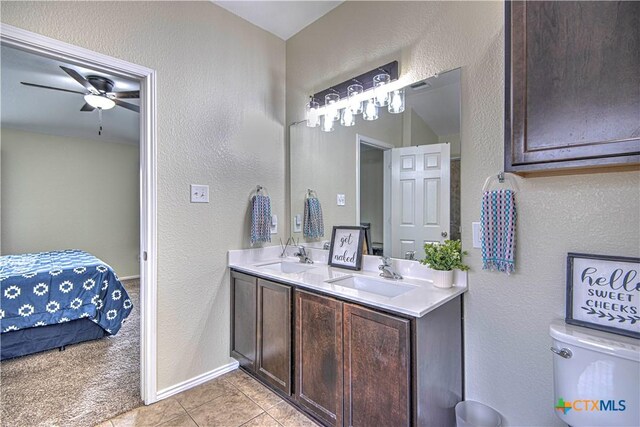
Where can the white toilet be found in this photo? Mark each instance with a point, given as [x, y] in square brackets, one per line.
[596, 377]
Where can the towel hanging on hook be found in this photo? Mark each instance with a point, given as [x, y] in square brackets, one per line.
[311, 193]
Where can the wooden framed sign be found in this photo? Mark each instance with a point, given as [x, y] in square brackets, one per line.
[346, 247]
[603, 292]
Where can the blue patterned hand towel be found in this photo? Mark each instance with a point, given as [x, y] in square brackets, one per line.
[498, 230]
[260, 218]
[313, 223]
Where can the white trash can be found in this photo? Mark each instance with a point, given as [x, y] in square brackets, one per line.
[470, 413]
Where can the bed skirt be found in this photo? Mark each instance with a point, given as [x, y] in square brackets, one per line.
[33, 340]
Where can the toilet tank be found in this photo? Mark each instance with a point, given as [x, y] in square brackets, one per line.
[598, 383]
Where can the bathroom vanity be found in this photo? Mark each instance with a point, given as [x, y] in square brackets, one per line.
[349, 348]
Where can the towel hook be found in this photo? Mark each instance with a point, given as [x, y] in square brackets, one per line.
[502, 177]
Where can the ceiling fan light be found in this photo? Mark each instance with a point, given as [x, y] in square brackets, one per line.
[97, 101]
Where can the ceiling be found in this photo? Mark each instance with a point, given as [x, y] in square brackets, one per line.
[438, 104]
[58, 113]
[282, 18]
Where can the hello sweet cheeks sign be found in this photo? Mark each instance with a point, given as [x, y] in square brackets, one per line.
[346, 247]
[603, 292]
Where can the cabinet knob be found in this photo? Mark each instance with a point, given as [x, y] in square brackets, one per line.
[444, 234]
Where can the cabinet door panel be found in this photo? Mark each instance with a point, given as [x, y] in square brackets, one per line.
[319, 367]
[377, 368]
[573, 87]
[243, 319]
[274, 334]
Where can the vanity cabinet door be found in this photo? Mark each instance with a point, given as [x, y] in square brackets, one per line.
[243, 319]
[377, 368]
[318, 368]
[273, 363]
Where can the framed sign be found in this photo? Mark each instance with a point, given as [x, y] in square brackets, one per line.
[346, 247]
[603, 293]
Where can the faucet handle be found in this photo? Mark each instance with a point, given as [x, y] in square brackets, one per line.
[386, 261]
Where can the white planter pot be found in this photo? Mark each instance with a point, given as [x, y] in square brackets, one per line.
[443, 279]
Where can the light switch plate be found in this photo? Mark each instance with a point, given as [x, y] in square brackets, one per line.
[297, 223]
[199, 193]
[341, 200]
[274, 224]
[475, 226]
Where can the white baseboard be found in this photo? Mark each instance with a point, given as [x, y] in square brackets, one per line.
[129, 277]
[197, 380]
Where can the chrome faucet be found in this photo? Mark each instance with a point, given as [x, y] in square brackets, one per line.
[302, 255]
[387, 270]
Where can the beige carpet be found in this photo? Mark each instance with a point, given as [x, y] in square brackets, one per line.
[81, 386]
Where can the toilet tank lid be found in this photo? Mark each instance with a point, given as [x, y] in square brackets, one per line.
[603, 342]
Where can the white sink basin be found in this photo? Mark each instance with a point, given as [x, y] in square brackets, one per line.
[286, 267]
[383, 287]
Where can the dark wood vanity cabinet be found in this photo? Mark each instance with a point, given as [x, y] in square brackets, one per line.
[572, 95]
[377, 369]
[347, 364]
[318, 353]
[261, 328]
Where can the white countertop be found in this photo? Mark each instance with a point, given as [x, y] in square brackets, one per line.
[415, 303]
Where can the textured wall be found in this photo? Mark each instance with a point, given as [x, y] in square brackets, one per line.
[56, 195]
[220, 122]
[507, 357]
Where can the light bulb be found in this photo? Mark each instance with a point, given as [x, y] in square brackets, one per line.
[327, 124]
[348, 119]
[380, 83]
[397, 101]
[370, 110]
[329, 100]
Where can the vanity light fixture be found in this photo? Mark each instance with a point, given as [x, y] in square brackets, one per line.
[311, 113]
[362, 94]
[396, 104]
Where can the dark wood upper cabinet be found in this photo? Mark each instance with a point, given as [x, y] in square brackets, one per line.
[243, 319]
[318, 368]
[572, 96]
[273, 361]
[377, 368]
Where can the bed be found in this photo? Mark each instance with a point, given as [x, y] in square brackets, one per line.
[53, 299]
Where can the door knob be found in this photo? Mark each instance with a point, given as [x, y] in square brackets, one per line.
[444, 234]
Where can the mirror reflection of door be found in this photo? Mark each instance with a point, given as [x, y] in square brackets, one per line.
[420, 198]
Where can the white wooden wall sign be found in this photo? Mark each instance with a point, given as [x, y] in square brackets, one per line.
[603, 292]
[346, 247]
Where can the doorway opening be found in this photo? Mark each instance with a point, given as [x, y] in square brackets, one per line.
[45, 47]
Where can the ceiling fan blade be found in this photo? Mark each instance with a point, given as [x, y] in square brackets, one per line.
[87, 107]
[52, 88]
[127, 105]
[126, 94]
[77, 77]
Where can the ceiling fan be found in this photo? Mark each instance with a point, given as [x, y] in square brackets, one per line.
[100, 92]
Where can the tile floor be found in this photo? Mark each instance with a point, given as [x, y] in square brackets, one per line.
[232, 400]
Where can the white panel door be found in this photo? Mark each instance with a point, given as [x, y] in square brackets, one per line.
[420, 196]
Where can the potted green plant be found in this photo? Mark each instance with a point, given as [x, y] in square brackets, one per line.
[443, 258]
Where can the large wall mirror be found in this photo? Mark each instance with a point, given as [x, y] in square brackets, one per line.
[397, 176]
